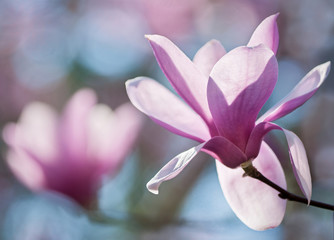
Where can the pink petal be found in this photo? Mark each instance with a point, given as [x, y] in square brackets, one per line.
[240, 83]
[100, 124]
[256, 137]
[188, 81]
[27, 170]
[297, 152]
[166, 109]
[73, 124]
[208, 55]
[37, 120]
[225, 151]
[266, 33]
[303, 91]
[172, 168]
[217, 147]
[256, 204]
[116, 134]
[299, 163]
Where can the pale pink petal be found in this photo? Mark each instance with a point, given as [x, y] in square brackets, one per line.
[225, 151]
[27, 170]
[208, 55]
[73, 124]
[240, 83]
[172, 168]
[38, 122]
[188, 81]
[299, 163]
[256, 137]
[112, 134]
[129, 121]
[100, 135]
[218, 147]
[297, 152]
[256, 204]
[266, 33]
[303, 91]
[166, 109]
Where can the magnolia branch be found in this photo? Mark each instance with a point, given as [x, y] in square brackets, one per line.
[251, 171]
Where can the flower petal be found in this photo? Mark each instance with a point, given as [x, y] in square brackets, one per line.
[297, 152]
[218, 147]
[208, 55]
[37, 120]
[166, 109]
[303, 91]
[240, 83]
[266, 33]
[73, 124]
[27, 170]
[172, 168]
[112, 134]
[188, 81]
[299, 163]
[225, 151]
[256, 204]
[256, 137]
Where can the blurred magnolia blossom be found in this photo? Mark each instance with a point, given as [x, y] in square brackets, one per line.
[70, 154]
[223, 93]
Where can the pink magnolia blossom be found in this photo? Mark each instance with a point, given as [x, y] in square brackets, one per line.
[223, 94]
[70, 154]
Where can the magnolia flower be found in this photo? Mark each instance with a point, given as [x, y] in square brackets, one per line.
[70, 154]
[223, 94]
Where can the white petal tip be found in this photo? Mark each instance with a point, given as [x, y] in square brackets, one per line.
[327, 65]
[324, 69]
[309, 199]
[152, 188]
[130, 81]
[150, 36]
[155, 192]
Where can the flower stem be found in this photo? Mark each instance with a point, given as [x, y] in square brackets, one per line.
[251, 171]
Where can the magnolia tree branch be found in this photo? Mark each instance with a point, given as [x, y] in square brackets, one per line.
[251, 171]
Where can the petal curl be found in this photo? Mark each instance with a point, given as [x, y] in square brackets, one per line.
[266, 33]
[299, 163]
[208, 55]
[240, 83]
[297, 153]
[188, 81]
[217, 147]
[302, 92]
[172, 168]
[256, 204]
[166, 109]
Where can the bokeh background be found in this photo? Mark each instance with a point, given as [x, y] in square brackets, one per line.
[51, 48]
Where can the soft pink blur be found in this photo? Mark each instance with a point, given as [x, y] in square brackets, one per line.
[70, 154]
